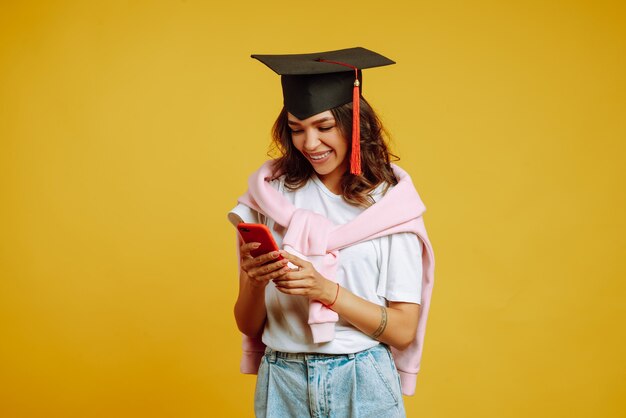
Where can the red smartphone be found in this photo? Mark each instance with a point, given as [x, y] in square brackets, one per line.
[258, 233]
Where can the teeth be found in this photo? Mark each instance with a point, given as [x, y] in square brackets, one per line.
[319, 157]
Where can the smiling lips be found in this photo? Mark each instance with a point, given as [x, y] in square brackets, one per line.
[319, 156]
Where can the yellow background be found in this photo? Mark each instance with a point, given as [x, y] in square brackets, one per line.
[127, 131]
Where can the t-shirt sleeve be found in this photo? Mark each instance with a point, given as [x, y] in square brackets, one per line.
[401, 268]
[243, 213]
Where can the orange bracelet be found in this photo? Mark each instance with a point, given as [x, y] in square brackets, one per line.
[336, 295]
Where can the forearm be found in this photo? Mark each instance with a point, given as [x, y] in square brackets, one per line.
[250, 310]
[401, 318]
[398, 322]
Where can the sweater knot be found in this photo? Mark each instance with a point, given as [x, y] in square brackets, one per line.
[308, 233]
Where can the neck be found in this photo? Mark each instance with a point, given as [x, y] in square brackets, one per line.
[332, 180]
[334, 185]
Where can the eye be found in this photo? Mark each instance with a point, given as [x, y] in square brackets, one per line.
[295, 131]
[326, 128]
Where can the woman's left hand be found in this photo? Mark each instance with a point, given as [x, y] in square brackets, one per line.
[306, 281]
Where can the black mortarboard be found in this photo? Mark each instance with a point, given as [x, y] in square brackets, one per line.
[313, 83]
[311, 86]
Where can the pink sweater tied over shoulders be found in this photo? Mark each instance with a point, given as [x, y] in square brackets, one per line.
[313, 237]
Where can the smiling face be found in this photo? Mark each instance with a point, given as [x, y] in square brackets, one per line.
[321, 142]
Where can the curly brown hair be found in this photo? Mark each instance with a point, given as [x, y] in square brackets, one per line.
[375, 155]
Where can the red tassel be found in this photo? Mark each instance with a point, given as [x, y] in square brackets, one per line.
[355, 157]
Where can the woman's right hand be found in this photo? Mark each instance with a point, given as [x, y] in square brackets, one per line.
[260, 270]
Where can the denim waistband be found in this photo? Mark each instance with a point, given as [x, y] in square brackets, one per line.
[273, 354]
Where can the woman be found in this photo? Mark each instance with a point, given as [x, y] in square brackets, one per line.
[355, 277]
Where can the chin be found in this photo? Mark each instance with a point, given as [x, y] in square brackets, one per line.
[323, 172]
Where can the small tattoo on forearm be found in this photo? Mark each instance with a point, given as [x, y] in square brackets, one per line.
[383, 323]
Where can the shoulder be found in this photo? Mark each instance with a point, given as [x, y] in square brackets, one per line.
[244, 213]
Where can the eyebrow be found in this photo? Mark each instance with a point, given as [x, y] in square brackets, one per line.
[316, 122]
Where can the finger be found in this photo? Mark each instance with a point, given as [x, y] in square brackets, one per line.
[295, 260]
[265, 258]
[268, 268]
[292, 284]
[245, 249]
[247, 262]
[276, 274]
[289, 276]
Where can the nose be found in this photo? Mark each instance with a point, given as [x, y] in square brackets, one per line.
[311, 140]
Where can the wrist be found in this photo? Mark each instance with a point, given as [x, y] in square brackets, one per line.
[330, 294]
[255, 286]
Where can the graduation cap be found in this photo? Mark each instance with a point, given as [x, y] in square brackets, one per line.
[313, 83]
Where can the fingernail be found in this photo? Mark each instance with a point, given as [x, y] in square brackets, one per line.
[256, 245]
[274, 255]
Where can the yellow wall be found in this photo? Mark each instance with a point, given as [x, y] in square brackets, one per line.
[128, 128]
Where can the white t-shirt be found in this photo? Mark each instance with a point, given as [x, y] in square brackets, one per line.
[380, 270]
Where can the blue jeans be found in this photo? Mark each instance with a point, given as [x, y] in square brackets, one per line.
[298, 385]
